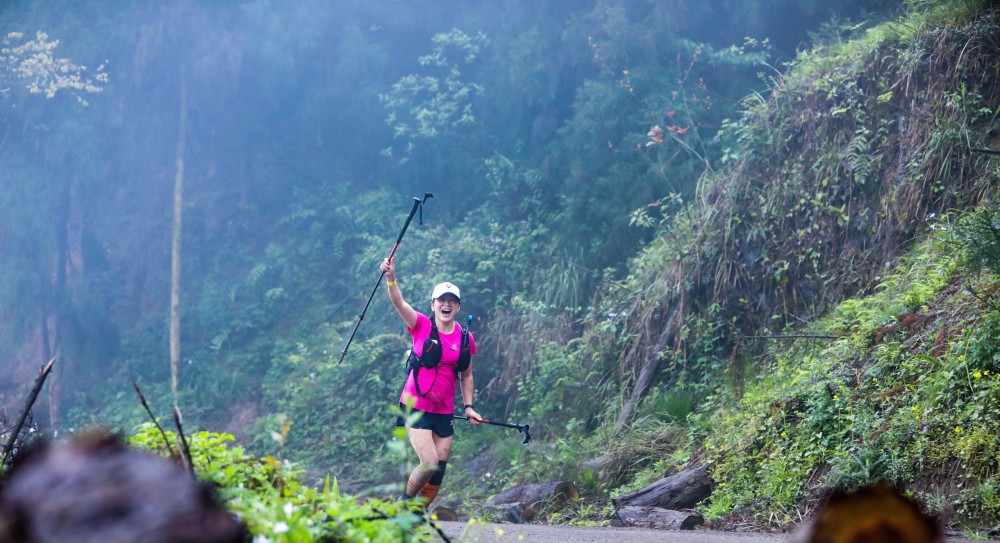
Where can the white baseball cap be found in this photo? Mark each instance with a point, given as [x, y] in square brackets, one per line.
[445, 288]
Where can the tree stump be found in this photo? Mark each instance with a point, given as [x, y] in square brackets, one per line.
[445, 514]
[679, 491]
[656, 517]
[514, 513]
[528, 499]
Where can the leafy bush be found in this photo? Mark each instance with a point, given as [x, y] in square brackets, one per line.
[978, 236]
[269, 497]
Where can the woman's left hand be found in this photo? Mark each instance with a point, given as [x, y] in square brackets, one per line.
[474, 418]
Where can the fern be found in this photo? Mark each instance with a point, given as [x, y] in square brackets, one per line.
[857, 156]
[256, 273]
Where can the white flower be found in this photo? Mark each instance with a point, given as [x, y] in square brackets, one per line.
[289, 509]
[261, 539]
[280, 527]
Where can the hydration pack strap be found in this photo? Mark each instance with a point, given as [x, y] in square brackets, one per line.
[465, 355]
[416, 363]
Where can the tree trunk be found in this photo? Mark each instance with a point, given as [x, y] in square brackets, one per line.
[648, 372]
[60, 304]
[521, 503]
[679, 491]
[47, 355]
[175, 267]
[656, 517]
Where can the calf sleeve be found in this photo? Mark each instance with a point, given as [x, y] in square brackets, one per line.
[439, 474]
[430, 490]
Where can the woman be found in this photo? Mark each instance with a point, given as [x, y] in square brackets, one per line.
[432, 390]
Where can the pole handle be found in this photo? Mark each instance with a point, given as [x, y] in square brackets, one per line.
[519, 427]
[418, 203]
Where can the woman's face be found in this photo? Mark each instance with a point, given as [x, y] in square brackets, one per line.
[446, 307]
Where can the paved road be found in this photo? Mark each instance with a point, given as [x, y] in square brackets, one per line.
[462, 532]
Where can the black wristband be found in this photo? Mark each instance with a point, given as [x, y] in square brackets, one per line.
[469, 405]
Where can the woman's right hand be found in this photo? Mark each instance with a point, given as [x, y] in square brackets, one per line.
[388, 267]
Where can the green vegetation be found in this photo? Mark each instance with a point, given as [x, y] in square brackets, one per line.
[268, 495]
[774, 377]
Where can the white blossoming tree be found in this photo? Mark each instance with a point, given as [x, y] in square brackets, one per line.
[33, 64]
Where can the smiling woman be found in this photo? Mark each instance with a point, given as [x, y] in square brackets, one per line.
[443, 350]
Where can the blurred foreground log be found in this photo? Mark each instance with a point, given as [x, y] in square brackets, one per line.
[96, 490]
[876, 513]
[656, 517]
[679, 491]
[523, 502]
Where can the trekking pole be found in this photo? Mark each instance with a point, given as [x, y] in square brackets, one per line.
[417, 203]
[518, 427]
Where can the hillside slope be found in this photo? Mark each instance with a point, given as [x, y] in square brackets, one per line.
[855, 208]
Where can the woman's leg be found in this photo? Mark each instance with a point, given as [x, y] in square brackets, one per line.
[429, 491]
[424, 444]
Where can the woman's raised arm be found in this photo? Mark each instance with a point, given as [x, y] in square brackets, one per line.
[406, 312]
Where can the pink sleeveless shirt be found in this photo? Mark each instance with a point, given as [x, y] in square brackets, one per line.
[438, 383]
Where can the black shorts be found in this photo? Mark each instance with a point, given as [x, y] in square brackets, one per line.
[442, 424]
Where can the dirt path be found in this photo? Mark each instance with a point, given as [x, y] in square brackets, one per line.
[461, 532]
[539, 533]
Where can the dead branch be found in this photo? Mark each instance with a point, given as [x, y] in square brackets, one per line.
[793, 336]
[142, 400]
[39, 381]
[649, 370]
[184, 444]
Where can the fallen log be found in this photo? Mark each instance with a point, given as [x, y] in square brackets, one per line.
[514, 513]
[657, 517]
[529, 499]
[560, 491]
[679, 491]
